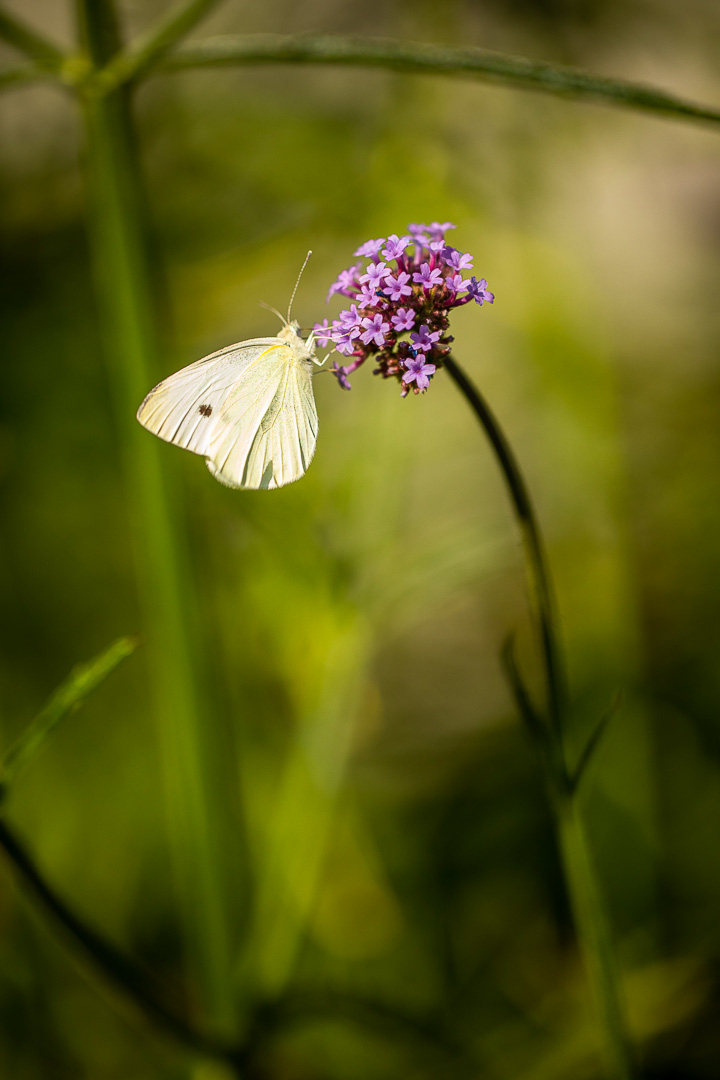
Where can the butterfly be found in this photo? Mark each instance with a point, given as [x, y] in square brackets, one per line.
[248, 409]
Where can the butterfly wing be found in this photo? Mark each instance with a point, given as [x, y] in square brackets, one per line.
[182, 408]
[266, 430]
[248, 409]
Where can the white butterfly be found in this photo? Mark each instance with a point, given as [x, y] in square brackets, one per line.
[248, 409]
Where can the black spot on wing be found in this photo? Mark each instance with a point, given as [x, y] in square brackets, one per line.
[205, 410]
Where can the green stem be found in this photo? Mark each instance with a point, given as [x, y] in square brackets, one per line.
[595, 936]
[152, 46]
[420, 58]
[190, 754]
[121, 973]
[587, 904]
[25, 38]
[538, 571]
[22, 74]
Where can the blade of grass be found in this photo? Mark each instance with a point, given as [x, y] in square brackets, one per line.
[419, 58]
[193, 759]
[82, 680]
[296, 836]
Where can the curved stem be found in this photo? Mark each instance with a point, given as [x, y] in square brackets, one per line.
[123, 974]
[422, 58]
[538, 571]
[588, 908]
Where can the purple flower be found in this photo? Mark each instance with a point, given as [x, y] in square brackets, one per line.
[376, 329]
[367, 297]
[427, 277]
[374, 275]
[395, 246]
[403, 319]
[397, 286]
[344, 344]
[423, 340]
[478, 290]
[370, 248]
[349, 321]
[346, 281]
[417, 371]
[341, 375]
[400, 301]
[457, 260]
[323, 332]
[456, 283]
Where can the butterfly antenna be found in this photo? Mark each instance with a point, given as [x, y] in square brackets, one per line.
[274, 311]
[302, 268]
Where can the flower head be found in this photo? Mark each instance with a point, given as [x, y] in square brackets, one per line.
[401, 302]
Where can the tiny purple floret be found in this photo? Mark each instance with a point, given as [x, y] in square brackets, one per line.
[428, 278]
[457, 260]
[403, 319]
[341, 375]
[374, 275]
[395, 246]
[418, 372]
[346, 281]
[376, 329]
[478, 290]
[370, 248]
[397, 287]
[423, 340]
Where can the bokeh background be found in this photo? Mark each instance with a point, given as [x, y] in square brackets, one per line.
[351, 624]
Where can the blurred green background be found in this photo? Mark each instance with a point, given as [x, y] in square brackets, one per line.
[379, 796]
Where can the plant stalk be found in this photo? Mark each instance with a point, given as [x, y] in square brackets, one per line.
[421, 58]
[586, 901]
[189, 746]
[28, 41]
[538, 571]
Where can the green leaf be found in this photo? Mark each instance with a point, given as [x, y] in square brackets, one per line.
[67, 698]
[588, 753]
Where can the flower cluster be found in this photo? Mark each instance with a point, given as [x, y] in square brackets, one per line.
[400, 304]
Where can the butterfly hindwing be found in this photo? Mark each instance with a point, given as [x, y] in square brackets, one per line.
[248, 409]
[267, 428]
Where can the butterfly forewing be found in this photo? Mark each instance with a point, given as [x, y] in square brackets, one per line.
[183, 408]
[248, 409]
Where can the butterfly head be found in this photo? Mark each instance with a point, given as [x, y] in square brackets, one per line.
[303, 350]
